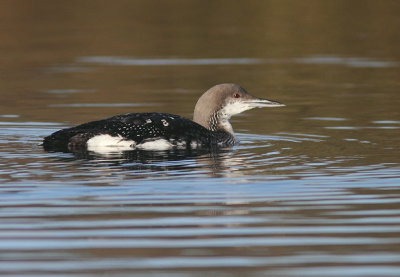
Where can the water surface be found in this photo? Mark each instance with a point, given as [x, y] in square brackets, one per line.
[312, 190]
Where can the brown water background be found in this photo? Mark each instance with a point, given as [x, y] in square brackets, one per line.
[313, 189]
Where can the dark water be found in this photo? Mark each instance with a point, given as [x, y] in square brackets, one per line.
[313, 189]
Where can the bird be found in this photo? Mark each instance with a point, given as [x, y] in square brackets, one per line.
[210, 126]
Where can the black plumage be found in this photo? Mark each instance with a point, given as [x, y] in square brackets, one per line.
[140, 128]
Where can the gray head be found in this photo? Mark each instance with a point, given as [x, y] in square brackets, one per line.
[216, 106]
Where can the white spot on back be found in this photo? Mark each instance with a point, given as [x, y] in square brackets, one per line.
[107, 143]
[164, 122]
[148, 120]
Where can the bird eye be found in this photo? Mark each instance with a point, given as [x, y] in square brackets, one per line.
[236, 95]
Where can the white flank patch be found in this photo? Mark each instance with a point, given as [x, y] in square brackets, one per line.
[159, 144]
[107, 143]
[194, 144]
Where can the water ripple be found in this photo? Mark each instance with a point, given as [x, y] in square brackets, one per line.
[70, 214]
[316, 60]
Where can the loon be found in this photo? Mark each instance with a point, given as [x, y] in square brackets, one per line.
[162, 131]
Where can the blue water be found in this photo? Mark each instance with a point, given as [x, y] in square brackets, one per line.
[118, 214]
[312, 190]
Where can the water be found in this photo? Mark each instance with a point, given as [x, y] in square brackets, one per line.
[312, 190]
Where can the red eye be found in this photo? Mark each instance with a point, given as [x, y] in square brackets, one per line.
[236, 95]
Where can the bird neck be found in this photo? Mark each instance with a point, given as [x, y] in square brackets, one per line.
[219, 121]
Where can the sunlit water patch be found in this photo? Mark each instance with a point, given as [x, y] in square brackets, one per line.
[68, 91]
[347, 61]
[359, 62]
[129, 61]
[64, 213]
[99, 105]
